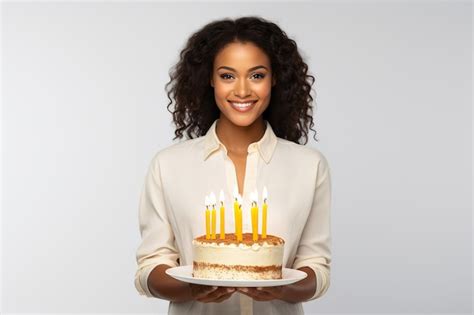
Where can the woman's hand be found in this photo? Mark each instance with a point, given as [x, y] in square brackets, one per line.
[265, 293]
[293, 293]
[208, 294]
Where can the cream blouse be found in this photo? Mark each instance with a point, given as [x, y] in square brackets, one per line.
[171, 210]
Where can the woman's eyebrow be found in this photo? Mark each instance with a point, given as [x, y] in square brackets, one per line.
[251, 69]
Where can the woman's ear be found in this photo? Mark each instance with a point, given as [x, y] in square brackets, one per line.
[212, 82]
[273, 81]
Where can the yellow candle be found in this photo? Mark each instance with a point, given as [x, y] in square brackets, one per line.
[264, 213]
[264, 220]
[239, 223]
[222, 216]
[213, 234]
[239, 218]
[254, 223]
[208, 218]
[236, 210]
[254, 216]
[213, 221]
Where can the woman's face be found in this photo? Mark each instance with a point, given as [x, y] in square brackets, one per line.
[242, 81]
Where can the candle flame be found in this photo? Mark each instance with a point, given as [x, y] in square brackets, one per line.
[265, 194]
[212, 199]
[221, 197]
[239, 199]
[254, 197]
[207, 201]
[236, 192]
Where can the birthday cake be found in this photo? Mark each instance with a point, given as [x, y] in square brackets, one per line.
[231, 259]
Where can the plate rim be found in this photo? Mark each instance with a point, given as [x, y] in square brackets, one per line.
[248, 283]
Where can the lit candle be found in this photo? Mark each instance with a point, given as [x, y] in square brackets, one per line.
[254, 214]
[264, 213]
[222, 216]
[236, 210]
[213, 221]
[208, 218]
[239, 218]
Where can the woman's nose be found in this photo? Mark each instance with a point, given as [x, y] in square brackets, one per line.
[242, 89]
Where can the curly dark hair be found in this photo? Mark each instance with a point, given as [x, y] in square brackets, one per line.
[290, 110]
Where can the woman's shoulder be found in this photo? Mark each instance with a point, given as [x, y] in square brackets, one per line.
[305, 156]
[301, 151]
[179, 150]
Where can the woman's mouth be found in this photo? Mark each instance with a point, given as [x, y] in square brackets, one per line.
[242, 106]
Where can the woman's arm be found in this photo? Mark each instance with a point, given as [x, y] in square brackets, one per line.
[165, 287]
[314, 248]
[302, 290]
[157, 252]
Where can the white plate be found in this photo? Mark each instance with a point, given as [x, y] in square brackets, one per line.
[184, 273]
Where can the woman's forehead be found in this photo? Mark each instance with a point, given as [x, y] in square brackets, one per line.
[241, 57]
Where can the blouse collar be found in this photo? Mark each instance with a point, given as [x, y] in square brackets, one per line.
[265, 146]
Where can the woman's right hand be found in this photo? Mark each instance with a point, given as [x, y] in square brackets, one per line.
[209, 294]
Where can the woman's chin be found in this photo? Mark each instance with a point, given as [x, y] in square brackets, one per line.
[242, 120]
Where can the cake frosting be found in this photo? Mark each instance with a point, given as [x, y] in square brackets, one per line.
[238, 260]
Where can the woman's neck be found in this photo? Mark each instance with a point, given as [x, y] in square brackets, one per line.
[237, 139]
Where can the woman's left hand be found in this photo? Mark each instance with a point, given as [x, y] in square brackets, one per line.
[264, 293]
[292, 293]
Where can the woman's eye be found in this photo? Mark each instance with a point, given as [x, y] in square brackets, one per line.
[259, 74]
[225, 76]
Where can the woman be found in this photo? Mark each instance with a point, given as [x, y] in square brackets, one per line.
[241, 88]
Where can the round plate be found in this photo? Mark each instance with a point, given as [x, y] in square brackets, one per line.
[184, 273]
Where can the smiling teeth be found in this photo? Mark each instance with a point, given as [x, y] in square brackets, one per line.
[242, 105]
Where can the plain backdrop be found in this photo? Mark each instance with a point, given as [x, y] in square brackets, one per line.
[84, 111]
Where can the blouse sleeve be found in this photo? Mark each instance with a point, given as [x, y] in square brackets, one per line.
[314, 249]
[158, 242]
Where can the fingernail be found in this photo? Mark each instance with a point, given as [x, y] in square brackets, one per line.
[214, 288]
[259, 288]
[244, 289]
[230, 289]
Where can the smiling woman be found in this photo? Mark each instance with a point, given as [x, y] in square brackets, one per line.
[239, 86]
[241, 94]
[233, 62]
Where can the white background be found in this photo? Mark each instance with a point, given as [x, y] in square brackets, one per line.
[84, 111]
